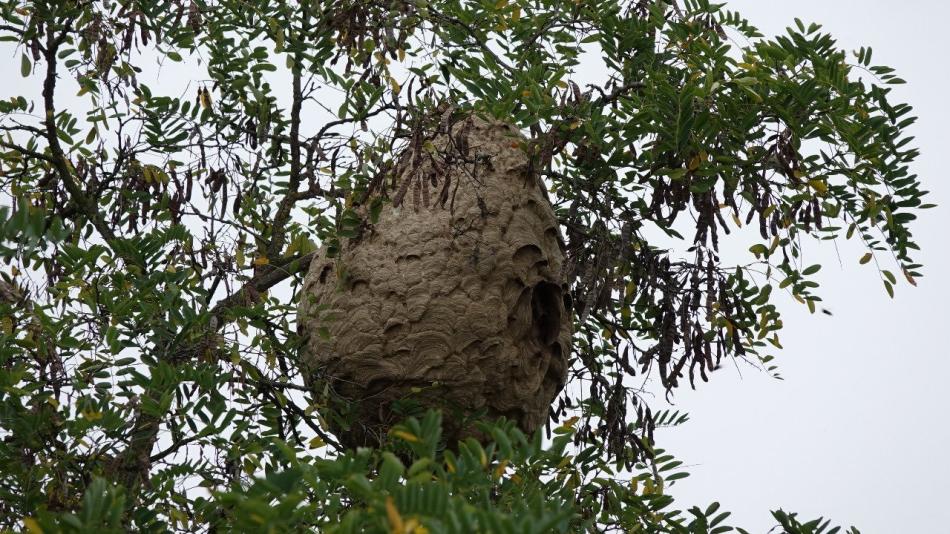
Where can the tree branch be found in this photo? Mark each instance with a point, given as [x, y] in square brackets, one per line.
[59, 160]
[262, 282]
[278, 236]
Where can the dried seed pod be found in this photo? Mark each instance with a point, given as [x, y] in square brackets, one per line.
[194, 17]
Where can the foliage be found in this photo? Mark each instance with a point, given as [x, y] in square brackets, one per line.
[511, 485]
[154, 241]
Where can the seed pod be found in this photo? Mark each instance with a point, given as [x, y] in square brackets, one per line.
[194, 17]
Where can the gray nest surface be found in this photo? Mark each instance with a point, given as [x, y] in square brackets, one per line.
[452, 299]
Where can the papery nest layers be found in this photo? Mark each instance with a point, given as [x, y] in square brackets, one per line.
[453, 298]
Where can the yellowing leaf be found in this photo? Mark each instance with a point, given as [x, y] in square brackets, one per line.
[571, 422]
[402, 54]
[694, 162]
[204, 98]
[414, 527]
[7, 325]
[317, 442]
[730, 329]
[408, 436]
[396, 526]
[395, 85]
[32, 526]
[500, 469]
[261, 260]
[648, 487]
[819, 185]
[278, 33]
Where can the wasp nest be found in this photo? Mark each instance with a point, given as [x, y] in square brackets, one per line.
[453, 298]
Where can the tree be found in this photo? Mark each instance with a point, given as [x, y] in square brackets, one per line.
[154, 239]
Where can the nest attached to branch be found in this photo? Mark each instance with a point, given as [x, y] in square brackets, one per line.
[453, 298]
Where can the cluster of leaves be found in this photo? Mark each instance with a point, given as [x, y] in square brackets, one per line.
[779, 133]
[153, 235]
[510, 485]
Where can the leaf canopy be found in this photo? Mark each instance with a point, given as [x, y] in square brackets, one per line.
[172, 165]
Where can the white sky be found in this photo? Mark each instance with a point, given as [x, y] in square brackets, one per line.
[857, 431]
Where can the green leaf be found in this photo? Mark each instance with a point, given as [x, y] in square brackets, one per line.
[889, 287]
[890, 276]
[25, 66]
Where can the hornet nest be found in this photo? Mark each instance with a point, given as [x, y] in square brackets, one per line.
[454, 300]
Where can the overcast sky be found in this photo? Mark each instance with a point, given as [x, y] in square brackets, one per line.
[858, 430]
